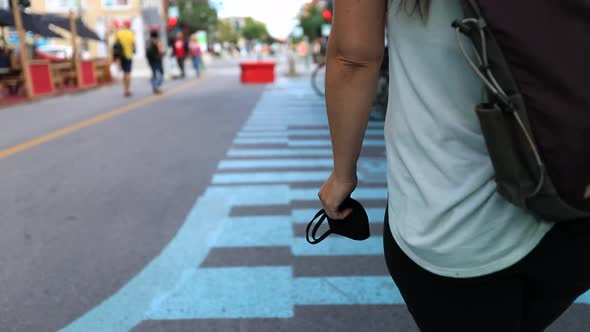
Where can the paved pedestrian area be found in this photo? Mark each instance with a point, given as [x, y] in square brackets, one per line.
[240, 261]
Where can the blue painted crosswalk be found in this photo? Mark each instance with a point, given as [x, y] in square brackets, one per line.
[299, 133]
[350, 291]
[298, 142]
[230, 293]
[270, 177]
[339, 247]
[302, 215]
[280, 153]
[241, 253]
[256, 231]
[275, 163]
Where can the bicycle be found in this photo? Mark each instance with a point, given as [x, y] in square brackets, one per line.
[318, 79]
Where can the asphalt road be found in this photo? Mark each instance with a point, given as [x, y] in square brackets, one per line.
[186, 212]
[83, 213]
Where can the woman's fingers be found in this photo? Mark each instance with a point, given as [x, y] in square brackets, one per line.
[340, 215]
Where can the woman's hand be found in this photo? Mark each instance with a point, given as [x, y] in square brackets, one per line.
[334, 191]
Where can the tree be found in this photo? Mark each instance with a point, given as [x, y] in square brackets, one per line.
[311, 20]
[197, 15]
[227, 32]
[254, 30]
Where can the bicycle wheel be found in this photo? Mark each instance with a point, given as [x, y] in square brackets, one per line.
[318, 79]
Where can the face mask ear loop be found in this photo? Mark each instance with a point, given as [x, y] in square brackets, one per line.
[307, 235]
[313, 239]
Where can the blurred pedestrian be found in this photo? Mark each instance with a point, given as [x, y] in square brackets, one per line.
[123, 50]
[154, 53]
[196, 55]
[303, 49]
[180, 52]
[463, 257]
[38, 41]
[5, 62]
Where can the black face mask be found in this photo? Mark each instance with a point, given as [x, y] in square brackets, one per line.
[355, 226]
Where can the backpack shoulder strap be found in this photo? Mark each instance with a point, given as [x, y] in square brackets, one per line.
[474, 6]
[502, 89]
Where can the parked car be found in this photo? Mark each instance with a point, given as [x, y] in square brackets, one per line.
[57, 53]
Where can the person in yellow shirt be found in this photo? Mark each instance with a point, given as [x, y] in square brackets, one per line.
[124, 49]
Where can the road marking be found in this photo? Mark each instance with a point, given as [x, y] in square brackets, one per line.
[301, 216]
[270, 177]
[260, 141]
[275, 163]
[360, 193]
[279, 153]
[348, 290]
[255, 231]
[300, 142]
[298, 132]
[328, 143]
[267, 292]
[96, 119]
[339, 246]
[231, 292]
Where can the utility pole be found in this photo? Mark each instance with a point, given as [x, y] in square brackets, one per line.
[81, 16]
[24, 58]
[75, 49]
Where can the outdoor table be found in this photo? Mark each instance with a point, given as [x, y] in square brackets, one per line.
[63, 73]
[14, 82]
[102, 69]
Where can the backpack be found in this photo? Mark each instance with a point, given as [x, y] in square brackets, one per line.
[533, 58]
[117, 50]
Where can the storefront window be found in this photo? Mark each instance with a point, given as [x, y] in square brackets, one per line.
[116, 4]
[61, 6]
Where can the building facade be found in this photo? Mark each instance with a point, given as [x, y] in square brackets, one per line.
[104, 16]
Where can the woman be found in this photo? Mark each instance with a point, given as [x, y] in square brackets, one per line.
[463, 258]
[196, 53]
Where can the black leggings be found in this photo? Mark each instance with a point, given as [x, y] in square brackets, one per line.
[528, 296]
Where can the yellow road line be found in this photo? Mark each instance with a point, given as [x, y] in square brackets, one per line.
[94, 120]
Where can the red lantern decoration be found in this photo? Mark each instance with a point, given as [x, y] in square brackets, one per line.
[327, 15]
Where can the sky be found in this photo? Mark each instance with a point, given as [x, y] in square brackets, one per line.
[279, 15]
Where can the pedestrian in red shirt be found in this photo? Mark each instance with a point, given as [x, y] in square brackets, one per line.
[180, 52]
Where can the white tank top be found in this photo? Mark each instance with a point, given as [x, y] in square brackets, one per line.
[444, 211]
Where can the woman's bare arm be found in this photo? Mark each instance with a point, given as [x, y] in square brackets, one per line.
[355, 52]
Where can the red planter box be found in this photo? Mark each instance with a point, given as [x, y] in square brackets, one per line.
[42, 81]
[88, 75]
[258, 72]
